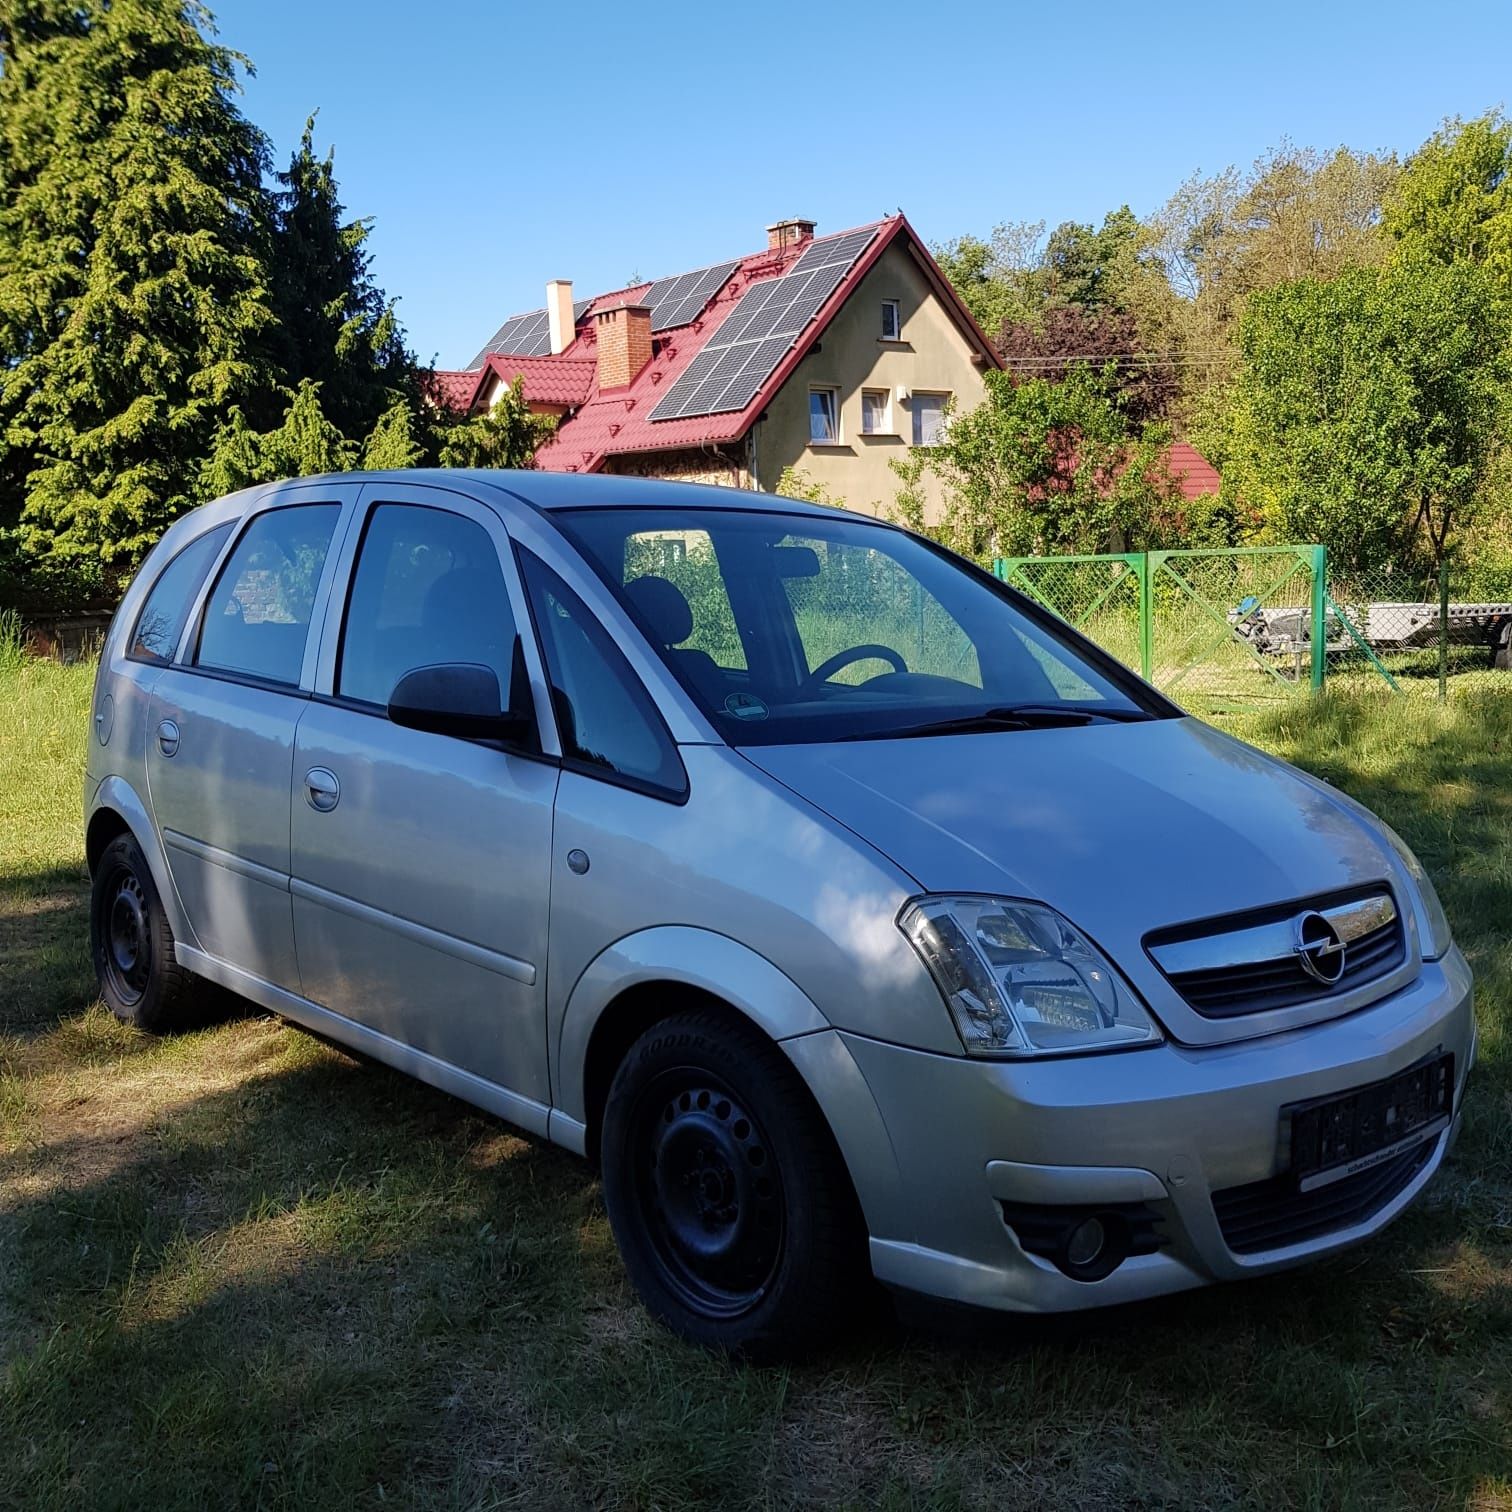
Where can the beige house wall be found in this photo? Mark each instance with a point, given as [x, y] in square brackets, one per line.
[933, 356]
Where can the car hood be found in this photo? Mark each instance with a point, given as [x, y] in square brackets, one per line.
[1124, 828]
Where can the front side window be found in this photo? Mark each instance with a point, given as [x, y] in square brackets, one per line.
[257, 617]
[852, 630]
[824, 415]
[166, 611]
[428, 588]
[604, 715]
[876, 412]
[892, 324]
[928, 418]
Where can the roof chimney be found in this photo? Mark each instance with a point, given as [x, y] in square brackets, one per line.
[789, 233]
[624, 343]
[559, 314]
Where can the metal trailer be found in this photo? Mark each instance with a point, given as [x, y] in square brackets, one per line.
[1383, 627]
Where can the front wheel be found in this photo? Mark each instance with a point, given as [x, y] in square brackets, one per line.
[728, 1198]
[130, 938]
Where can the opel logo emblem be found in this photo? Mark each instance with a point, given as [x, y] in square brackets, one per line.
[1319, 949]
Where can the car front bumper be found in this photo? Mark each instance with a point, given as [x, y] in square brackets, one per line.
[1166, 1127]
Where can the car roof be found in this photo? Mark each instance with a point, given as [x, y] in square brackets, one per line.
[553, 491]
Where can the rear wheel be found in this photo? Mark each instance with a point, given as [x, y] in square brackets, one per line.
[132, 943]
[728, 1199]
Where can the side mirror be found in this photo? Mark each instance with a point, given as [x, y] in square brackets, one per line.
[455, 698]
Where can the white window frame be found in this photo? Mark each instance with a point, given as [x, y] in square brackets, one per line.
[917, 413]
[896, 333]
[886, 428]
[834, 439]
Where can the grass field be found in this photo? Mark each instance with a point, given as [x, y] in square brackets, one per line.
[238, 1268]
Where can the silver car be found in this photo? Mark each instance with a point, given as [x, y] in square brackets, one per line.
[850, 912]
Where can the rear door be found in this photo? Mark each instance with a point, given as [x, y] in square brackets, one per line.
[421, 862]
[221, 729]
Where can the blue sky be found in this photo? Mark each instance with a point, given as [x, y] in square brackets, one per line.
[498, 145]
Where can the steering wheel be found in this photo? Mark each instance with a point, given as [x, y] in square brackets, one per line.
[827, 669]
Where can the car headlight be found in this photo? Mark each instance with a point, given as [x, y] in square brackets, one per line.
[1021, 980]
[1433, 924]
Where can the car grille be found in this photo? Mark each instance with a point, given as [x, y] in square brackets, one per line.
[1272, 1214]
[1264, 972]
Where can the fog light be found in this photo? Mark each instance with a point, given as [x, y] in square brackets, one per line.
[1085, 1243]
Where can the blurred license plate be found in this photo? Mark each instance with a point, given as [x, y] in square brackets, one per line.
[1339, 1136]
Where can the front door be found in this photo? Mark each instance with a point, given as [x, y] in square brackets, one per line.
[421, 862]
[221, 736]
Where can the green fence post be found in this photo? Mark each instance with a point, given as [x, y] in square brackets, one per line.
[1319, 616]
[1443, 628]
[1146, 616]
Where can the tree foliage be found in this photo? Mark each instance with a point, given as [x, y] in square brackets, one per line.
[505, 436]
[1366, 409]
[1453, 201]
[132, 293]
[332, 324]
[1047, 467]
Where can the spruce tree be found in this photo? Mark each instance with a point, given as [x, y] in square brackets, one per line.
[133, 304]
[334, 326]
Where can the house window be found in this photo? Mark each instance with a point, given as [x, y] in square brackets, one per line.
[824, 416]
[928, 418]
[876, 412]
[892, 321]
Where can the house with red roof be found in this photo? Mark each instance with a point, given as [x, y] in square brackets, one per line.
[830, 354]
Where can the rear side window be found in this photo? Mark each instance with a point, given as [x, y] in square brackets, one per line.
[257, 616]
[606, 719]
[428, 588]
[166, 611]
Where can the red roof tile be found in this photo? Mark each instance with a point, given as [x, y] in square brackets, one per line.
[548, 380]
[1196, 475]
[452, 389]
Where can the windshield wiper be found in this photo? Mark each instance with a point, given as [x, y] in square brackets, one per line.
[1024, 716]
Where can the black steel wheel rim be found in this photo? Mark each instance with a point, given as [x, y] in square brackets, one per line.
[709, 1192]
[125, 936]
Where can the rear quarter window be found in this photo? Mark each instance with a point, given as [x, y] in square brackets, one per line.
[166, 612]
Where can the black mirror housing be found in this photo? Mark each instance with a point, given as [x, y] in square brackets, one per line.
[456, 698]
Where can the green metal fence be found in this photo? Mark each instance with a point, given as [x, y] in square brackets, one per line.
[1219, 629]
[1197, 624]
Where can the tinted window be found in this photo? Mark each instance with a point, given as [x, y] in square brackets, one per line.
[849, 629]
[605, 716]
[257, 617]
[166, 611]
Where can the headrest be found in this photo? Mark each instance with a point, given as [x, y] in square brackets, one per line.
[662, 605]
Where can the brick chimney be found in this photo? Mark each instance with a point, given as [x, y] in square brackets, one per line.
[789, 233]
[624, 343]
[559, 314]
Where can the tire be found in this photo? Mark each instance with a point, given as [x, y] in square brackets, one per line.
[132, 944]
[728, 1198]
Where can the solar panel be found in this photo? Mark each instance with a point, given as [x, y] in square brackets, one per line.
[680, 301]
[759, 332]
[527, 335]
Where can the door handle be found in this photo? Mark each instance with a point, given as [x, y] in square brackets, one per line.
[322, 790]
[167, 737]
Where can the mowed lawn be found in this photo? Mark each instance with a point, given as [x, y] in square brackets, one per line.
[239, 1268]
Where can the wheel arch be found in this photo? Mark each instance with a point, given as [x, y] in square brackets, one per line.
[648, 977]
[118, 809]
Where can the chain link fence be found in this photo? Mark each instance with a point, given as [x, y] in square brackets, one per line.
[1223, 629]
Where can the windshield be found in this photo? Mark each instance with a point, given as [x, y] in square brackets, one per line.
[794, 628]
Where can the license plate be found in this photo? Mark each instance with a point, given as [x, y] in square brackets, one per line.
[1342, 1135]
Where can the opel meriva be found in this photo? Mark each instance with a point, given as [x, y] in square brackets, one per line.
[851, 912]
